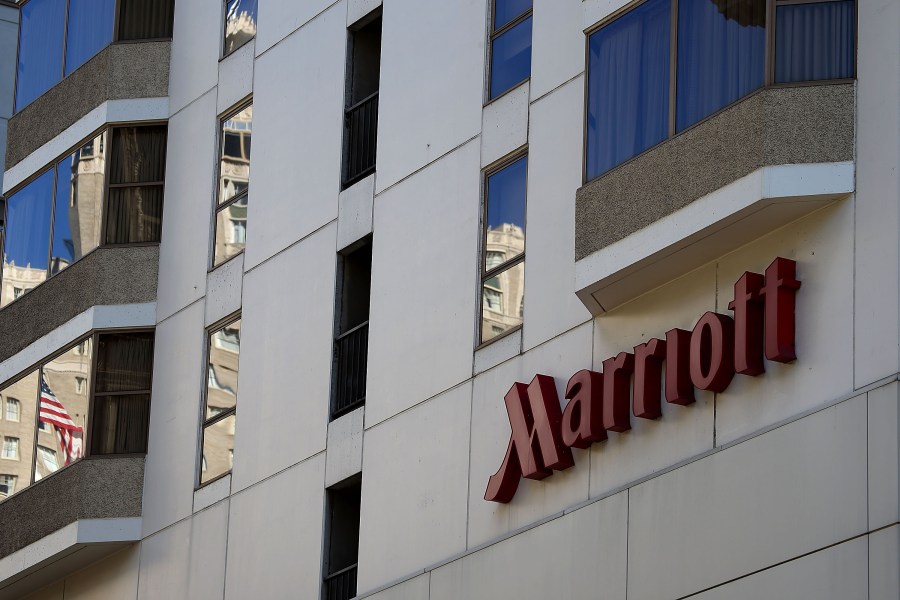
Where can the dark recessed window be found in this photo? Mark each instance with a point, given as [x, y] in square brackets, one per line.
[240, 24]
[145, 19]
[342, 539]
[230, 235]
[351, 342]
[510, 45]
[361, 93]
[136, 182]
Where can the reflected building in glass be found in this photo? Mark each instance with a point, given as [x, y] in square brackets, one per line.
[503, 294]
[221, 402]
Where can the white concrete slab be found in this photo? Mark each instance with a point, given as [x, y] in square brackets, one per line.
[196, 48]
[884, 556]
[355, 208]
[224, 287]
[416, 588]
[488, 357]
[557, 45]
[280, 18]
[235, 80]
[504, 125]
[343, 457]
[884, 456]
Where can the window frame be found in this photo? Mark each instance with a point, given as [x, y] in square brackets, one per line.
[224, 31]
[208, 422]
[244, 194]
[768, 76]
[487, 274]
[114, 40]
[493, 34]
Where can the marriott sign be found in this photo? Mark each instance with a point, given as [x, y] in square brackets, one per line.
[706, 358]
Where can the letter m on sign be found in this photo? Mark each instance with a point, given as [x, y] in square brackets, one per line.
[535, 447]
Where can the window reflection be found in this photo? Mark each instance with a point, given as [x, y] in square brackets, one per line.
[815, 41]
[511, 58]
[502, 300]
[506, 211]
[16, 453]
[90, 30]
[234, 183]
[218, 449]
[41, 35]
[240, 23]
[220, 401]
[27, 237]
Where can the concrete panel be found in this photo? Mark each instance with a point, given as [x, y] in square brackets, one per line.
[345, 444]
[280, 18]
[235, 77]
[445, 49]
[429, 241]
[594, 11]
[285, 360]
[791, 491]
[557, 45]
[884, 556]
[504, 125]
[275, 536]
[682, 431]
[187, 214]
[357, 9]
[414, 589]
[95, 280]
[171, 468]
[488, 357]
[355, 208]
[414, 489]
[559, 358]
[554, 174]
[876, 319]
[837, 573]
[196, 48]
[209, 534]
[575, 556]
[822, 245]
[165, 563]
[212, 493]
[297, 135]
[224, 286]
[884, 457]
[115, 578]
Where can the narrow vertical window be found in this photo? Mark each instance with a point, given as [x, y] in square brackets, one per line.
[815, 41]
[136, 181]
[13, 410]
[510, 45]
[240, 24]
[234, 185]
[361, 108]
[342, 539]
[18, 458]
[503, 254]
[220, 402]
[351, 343]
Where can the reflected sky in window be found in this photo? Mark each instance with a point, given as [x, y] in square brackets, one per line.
[507, 10]
[28, 224]
[506, 195]
[41, 37]
[90, 30]
[511, 58]
[240, 23]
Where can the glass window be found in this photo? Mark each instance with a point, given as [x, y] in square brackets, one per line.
[220, 401]
[27, 240]
[240, 24]
[503, 263]
[41, 35]
[11, 448]
[234, 184]
[721, 55]
[19, 399]
[505, 11]
[46, 462]
[511, 58]
[90, 30]
[145, 19]
[628, 86]
[13, 409]
[7, 485]
[136, 182]
[815, 41]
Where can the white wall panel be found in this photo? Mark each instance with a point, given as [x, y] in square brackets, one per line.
[165, 563]
[170, 470]
[223, 289]
[877, 256]
[235, 77]
[187, 212]
[356, 205]
[504, 125]
[413, 589]
[275, 536]
[884, 456]
[557, 45]
[280, 18]
[357, 9]
[791, 491]
[415, 469]
[560, 358]
[554, 174]
[114, 578]
[422, 310]
[681, 431]
[440, 47]
[209, 534]
[823, 248]
[196, 47]
[884, 556]
[286, 350]
[836, 573]
[345, 443]
[580, 555]
[298, 124]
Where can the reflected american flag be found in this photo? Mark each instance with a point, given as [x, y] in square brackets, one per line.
[53, 412]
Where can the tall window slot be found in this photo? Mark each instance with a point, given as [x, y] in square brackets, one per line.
[361, 91]
[351, 342]
[220, 401]
[234, 185]
[510, 45]
[342, 534]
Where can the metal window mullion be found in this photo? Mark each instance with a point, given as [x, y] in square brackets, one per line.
[522, 17]
[65, 43]
[37, 420]
[504, 266]
[92, 385]
[673, 68]
[52, 218]
[209, 422]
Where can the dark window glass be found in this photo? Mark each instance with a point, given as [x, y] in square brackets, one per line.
[138, 155]
[240, 23]
[342, 535]
[27, 245]
[507, 10]
[134, 211]
[506, 192]
[90, 30]
[815, 41]
[231, 146]
[41, 36]
[628, 86]
[120, 424]
[124, 362]
[145, 19]
[721, 55]
[134, 214]
[511, 58]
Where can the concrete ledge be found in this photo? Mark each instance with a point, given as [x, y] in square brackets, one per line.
[728, 218]
[120, 71]
[99, 488]
[118, 275]
[776, 126]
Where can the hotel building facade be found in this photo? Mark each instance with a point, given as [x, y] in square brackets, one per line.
[267, 326]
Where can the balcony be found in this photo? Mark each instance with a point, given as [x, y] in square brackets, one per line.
[341, 585]
[361, 130]
[351, 350]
